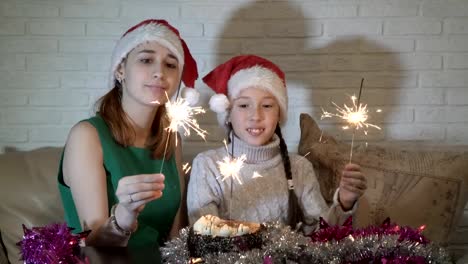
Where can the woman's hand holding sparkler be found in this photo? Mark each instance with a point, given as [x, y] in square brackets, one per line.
[353, 184]
[134, 192]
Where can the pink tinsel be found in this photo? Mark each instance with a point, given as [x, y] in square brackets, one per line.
[336, 233]
[54, 243]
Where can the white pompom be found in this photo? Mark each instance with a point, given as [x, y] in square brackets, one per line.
[191, 95]
[219, 103]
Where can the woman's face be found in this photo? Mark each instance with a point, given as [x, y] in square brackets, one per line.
[254, 116]
[150, 71]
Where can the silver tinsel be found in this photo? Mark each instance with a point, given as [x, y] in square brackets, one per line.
[282, 245]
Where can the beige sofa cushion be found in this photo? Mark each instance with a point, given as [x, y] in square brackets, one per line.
[412, 187]
[28, 194]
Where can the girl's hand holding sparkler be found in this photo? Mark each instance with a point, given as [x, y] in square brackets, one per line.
[134, 192]
[353, 184]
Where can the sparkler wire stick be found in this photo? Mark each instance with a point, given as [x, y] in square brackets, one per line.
[232, 180]
[355, 127]
[181, 116]
[164, 156]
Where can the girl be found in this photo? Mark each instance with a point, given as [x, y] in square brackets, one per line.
[251, 101]
[109, 176]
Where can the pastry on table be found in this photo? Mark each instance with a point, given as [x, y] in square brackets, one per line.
[210, 234]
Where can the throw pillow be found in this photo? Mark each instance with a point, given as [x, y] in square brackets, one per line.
[413, 187]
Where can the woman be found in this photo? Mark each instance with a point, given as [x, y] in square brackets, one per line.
[109, 176]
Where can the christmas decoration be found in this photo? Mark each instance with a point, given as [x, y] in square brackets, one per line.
[386, 244]
[50, 244]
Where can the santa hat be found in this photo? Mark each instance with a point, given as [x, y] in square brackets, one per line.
[166, 35]
[238, 73]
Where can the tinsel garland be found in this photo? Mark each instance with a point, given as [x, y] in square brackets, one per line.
[50, 244]
[386, 244]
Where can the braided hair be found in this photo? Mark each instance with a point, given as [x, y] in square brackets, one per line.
[295, 214]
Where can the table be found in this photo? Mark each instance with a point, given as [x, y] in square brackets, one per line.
[122, 255]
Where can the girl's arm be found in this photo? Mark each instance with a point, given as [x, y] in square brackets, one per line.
[204, 194]
[312, 202]
[180, 220]
[85, 175]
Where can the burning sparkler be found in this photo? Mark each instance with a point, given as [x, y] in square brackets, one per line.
[230, 167]
[355, 116]
[181, 115]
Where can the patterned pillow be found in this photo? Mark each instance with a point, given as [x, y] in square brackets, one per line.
[413, 187]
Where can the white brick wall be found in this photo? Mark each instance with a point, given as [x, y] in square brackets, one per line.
[413, 55]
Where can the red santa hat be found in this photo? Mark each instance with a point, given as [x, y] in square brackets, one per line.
[238, 73]
[166, 35]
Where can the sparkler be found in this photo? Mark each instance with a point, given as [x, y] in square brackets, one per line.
[355, 115]
[230, 167]
[181, 116]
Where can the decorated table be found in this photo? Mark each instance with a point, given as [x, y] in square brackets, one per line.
[387, 243]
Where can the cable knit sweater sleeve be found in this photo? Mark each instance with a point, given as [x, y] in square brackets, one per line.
[310, 198]
[203, 193]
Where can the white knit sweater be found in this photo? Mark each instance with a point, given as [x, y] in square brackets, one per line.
[257, 199]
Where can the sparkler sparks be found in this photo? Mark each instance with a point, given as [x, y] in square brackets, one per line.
[355, 115]
[182, 115]
[230, 167]
[256, 175]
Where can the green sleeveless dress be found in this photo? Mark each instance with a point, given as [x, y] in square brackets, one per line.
[155, 221]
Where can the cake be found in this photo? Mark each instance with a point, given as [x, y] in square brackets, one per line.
[211, 235]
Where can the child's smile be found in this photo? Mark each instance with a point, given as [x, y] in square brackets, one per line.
[255, 131]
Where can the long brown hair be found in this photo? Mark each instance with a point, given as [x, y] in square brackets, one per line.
[110, 109]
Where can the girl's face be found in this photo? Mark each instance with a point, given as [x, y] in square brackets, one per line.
[150, 71]
[254, 116]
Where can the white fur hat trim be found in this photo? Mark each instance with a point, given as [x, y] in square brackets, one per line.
[263, 78]
[191, 95]
[219, 103]
[149, 32]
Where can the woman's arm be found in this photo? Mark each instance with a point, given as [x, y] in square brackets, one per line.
[180, 220]
[84, 173]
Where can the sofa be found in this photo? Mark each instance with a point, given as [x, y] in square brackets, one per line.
[413, 183]
[399, 177]
[28, 195]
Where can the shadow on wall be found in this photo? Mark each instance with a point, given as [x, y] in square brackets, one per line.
[319, 68]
